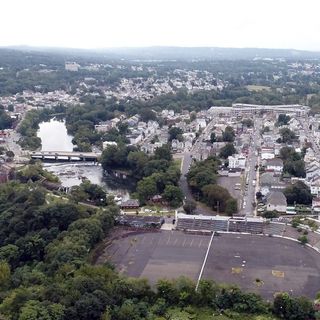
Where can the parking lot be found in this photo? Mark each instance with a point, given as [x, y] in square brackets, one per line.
[158, 255]
[229, 183]
[264, 265]
[256, 263]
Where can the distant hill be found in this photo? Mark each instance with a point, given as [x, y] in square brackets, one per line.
[177, 53]
[208, 53]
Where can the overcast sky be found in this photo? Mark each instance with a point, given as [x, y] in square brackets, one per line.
[119, 23]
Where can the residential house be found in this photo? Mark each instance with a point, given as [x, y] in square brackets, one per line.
[267, 153]
[130, 204]
[105, 144]
[267, 180]
[277, 201]
[275, 165]
[237, 161]
[135, 138]
[316, 204]
[177, 145]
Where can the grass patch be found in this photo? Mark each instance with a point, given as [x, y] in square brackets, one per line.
[258, 88]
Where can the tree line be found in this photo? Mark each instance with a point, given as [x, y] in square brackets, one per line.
[155, 174]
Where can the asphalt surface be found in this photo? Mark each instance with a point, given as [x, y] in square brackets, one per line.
[277, 264]
[229, 183]
[166, 254]
[248, 194]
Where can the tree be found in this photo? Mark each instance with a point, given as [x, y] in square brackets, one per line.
[247, 123]
[283, 120]
[5, 274]
[213, 137]
[228, 134]
[298, 193]
[227, 150]
[295, 168]
[173, 195]
[5, 120]
[163, 153]
[231, 206]
[10, 154]
[289, 308]
[287, 136]
[175, 133]
[35, 310]
[146, 189]
[303, 239]
[216, 196]
[147, 114]
[189, 207]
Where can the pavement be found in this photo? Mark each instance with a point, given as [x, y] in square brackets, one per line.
[249, 192]
[260, 264]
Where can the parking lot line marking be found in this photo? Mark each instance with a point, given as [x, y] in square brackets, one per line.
[191, 242]
[184, 242]
[168, 241]
[204, 261]
[175, 242]
[200, 243]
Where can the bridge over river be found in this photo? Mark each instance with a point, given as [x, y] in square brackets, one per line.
[65, 155]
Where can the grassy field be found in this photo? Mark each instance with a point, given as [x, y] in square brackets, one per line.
[258, 88]
[177, 163]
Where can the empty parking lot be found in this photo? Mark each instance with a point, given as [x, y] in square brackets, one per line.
[256, 263]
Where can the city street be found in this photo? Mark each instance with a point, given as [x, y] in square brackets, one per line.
[249, 185]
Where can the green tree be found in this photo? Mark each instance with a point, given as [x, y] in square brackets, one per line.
[189, 207]
[216, 196]
[298, 193]
[247, 123]
[163, 153]
[227, 150]
[287, 136]
[35, 310]
[213, 137]
[5, 274]
[231, 206]
[146, 189]
[283, 120]
[173, 195]
[228, 134]
[175, 133]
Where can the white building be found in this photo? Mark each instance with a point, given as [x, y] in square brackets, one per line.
[105, 144]
[237, 161]
[267, 153]
[275, 165]
[71, 66]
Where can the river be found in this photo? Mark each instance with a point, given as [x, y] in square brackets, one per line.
[54, 137]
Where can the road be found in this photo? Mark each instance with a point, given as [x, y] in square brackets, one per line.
[186, 162]
[249, 191]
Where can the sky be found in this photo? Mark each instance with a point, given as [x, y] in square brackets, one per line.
[138, 23]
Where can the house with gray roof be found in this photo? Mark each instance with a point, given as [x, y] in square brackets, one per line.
[277, 201]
